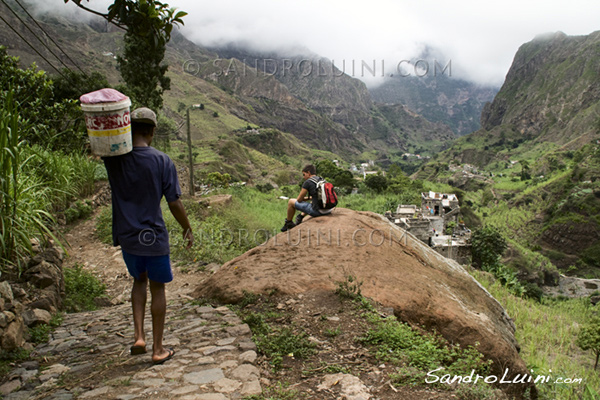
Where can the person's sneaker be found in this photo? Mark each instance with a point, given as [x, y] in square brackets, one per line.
[299, 219]
[288, 225]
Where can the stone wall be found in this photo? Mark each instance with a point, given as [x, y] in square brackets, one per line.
[31, 299]
[460, 254]
[38, 291]
[572, 287]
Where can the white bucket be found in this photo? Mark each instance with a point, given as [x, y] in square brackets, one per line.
[109, 127]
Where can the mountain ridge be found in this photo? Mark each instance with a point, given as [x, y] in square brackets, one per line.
[334, 114]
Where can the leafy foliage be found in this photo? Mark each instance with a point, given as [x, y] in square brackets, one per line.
[589, 337]
[23, 201]
[378, 183]
[217, 179]
[339, 177]
[148, 25]
[81, 288]
[52, 118]
[488, 245]
[399, 343]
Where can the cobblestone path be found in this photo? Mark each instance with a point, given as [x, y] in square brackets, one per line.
[87, 357]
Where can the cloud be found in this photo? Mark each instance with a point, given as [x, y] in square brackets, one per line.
[478, 39]
[68, 10]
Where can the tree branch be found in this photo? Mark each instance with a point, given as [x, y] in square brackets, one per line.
[105, 16]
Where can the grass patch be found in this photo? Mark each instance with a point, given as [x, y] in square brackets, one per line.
[81, 288]
[398, 343]
[223, 233]
[547, 331]
[41, 333]
[278, 343]
[7, 358]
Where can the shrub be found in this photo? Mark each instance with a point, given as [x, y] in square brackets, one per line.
[488, 245]
[81, 288]
[24, 200]
[589, 337]
[283, 342]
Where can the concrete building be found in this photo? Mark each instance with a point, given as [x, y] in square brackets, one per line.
[439, 214]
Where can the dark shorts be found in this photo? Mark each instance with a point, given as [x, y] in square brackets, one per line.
[157, 267]
[307, 208]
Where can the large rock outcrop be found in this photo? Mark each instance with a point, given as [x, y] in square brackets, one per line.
[397, 270]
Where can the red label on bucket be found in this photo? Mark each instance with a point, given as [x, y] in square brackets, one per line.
[107, 121]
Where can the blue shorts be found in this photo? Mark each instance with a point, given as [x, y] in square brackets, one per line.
[307, 208]
[157, 267]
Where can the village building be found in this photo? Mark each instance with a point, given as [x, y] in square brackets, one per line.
[436, 223]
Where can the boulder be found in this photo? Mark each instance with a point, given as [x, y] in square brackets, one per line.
[45, 303]
[44, 275]
[395, 268]
[13, 336]
[217, 200]
[36, 317]
[6, 292]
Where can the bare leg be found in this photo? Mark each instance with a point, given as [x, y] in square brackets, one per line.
[138, 304]
[291, 210]
[158, 308]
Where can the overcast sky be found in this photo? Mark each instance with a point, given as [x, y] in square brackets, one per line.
[478, 38]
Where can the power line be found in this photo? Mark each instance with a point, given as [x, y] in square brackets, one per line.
[52, 40]
[36, 36]
[34, 49]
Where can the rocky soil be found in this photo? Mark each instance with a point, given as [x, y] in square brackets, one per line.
[88, 357]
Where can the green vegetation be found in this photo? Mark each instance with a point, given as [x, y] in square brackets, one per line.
[8, 358]
[405, 347]
[223, 233]
[547, 333]
[349, 288]
[41, 332]
[589, 337]
[279, 392]
[278, 343]
[81, 289]
[148, 26]
[36, 181]
[274, 342]
[414, 352]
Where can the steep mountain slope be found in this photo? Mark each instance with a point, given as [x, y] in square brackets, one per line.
[345, 101]
[551, 91]
[539, 150]
[454, 102]
[333, 113]
[549, 101]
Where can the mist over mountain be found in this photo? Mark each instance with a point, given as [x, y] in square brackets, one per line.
[454, 102]
[550, 100]
[305, 95]
[538, 156]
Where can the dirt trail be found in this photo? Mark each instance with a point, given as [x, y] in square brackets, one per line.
[87, 356]
[106, 263]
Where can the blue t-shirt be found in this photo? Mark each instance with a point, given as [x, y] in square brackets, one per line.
[139, 180]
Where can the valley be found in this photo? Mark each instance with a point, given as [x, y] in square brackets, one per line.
[522, 161]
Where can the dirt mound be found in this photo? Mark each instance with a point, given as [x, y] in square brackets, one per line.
[396, 270]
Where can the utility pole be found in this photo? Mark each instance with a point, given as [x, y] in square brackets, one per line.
[190, 156]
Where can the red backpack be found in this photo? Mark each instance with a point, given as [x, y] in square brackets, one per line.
[325, 193]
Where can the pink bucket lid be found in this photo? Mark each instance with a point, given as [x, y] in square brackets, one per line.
[103, 96]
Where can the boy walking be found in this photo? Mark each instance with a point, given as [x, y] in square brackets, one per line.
[139, 180]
